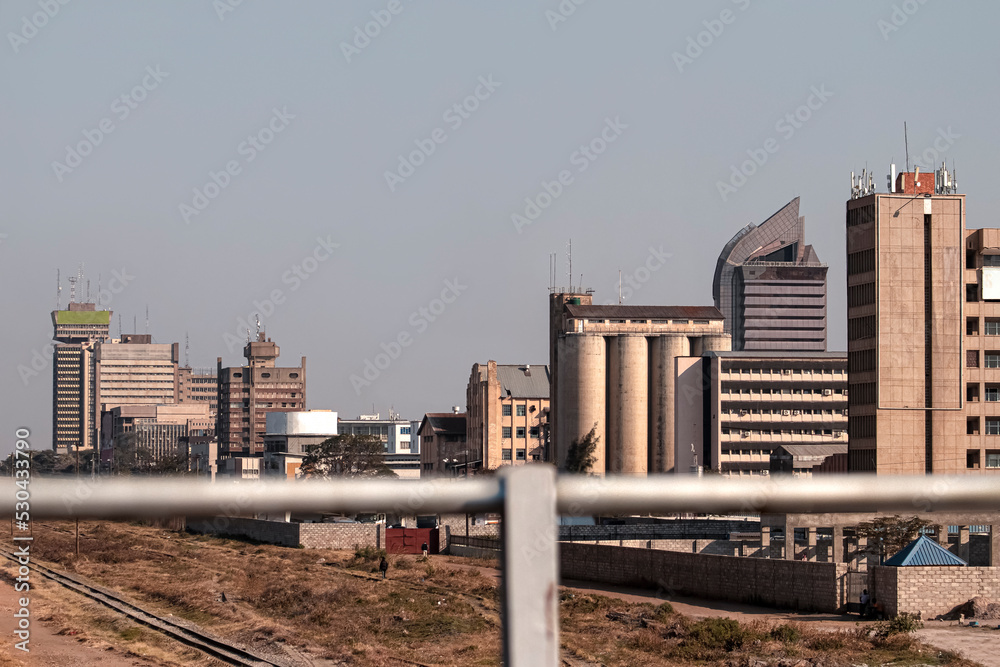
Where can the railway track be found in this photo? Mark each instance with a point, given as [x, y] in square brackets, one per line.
[220, 650]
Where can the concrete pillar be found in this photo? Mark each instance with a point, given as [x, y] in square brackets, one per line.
[581, 402]
[663, 350]
[811, 540]
[994, 544]
[941, 532]
[963, 543]
[628, 368]
[765, 541]
[789, 540]
[837, 554]
[862, 555]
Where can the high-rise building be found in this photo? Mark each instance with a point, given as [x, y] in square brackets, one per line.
[613, 371]
[923, 308]
[247, 393]
[136, 371]
[75, 404]
[771, 286]
[507, 415]
[735, 409]
[198, 385]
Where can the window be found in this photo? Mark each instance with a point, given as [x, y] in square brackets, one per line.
[972, 358]
[972, 426]
[506, 432]
[506, 410]
[533, 432]
[992, 427]
[991, 260]
[992, 458]
[520, 431]
[993, 360]
[972, 326]
[505, 455]
[972, 458]
[405, 430]
[972, 292]
[520, 455]
[520, 411]
[972, 393]
[992, 392]
[993, 327]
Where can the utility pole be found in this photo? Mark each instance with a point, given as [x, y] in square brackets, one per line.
[78, 482]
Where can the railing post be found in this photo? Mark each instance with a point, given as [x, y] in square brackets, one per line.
[530, 567]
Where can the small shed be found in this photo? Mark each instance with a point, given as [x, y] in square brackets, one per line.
[924, 551]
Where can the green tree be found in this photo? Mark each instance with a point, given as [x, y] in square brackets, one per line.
[887, 535]
[347, 455]
[580, 458]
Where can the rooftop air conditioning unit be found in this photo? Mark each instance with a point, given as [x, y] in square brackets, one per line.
[828, 392]
[786, 371]
[744, 434]
[796, 412]
[838, 434]
[743, 413]
[785, 413]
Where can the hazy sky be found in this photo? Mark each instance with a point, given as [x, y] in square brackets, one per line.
[220, 160]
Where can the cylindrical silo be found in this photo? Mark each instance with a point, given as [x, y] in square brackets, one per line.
[663, 351]
[581, 401]
[628, 368]
[714, 343]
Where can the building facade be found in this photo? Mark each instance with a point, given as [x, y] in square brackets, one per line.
[246, 394]
[156, 431]
[922, 302]
[399, 440]
[75, 405]
[613, 371]
[507, 415]
[443, 443]
[198, 385]
[771, 287]
[290, 435]
[736, 408]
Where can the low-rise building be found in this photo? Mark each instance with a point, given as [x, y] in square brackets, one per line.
[444, 449]
[398, 437]
[156, 431]
[507, 415]
[290, 436]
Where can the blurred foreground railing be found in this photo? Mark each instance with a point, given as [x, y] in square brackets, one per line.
[530, 498]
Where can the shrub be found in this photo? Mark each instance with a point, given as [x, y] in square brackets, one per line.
[786, 633]
[901, 624]
[717, 633]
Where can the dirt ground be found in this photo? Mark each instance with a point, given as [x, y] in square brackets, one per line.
[47, 646]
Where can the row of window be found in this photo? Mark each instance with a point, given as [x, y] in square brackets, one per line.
[766, 431]
[505, 455]
[990, 360]
[796, 413]
[782, 371]
[786, 391]
[505, 410]
[520, 432]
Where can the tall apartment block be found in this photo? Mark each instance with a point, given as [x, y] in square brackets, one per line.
[247, 393]
[771, 286]
[923, 319]
[77, 331]
[613, 369]
[507, 415]
[735, 409]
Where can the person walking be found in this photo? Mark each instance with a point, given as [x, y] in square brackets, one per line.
[383, 566]
[423, 548]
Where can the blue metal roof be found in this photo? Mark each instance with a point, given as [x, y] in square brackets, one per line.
[924, 551]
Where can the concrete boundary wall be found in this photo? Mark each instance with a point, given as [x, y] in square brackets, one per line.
[308, 535]
[932, 590]
[799, 585]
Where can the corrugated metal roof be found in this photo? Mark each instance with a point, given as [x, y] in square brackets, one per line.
[815, 450]
[924, 551]
[599, 312]
[523, 381]
[446, 422]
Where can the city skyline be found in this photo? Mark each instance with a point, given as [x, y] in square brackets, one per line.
[390, 196]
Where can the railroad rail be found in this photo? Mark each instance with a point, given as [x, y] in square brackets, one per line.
[218, 649]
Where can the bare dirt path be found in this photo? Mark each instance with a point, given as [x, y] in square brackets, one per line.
[979, 644]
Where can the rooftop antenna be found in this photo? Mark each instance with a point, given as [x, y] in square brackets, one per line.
[88, 290]
[187, 350]
[248, 335]
[72, 289]
[58, 289]
[99, 289]
[569, 269]
[119, 326]
[147, 319]
[619, 286]
[906, 143]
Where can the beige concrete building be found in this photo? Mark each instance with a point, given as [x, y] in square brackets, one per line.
[136, 371]
[613, 369]
[75, 406]
[246, 394]
[922, 303]
[198, 385]
[734, 409]
[443, 443]
[289, 437]
[507, 415]
[157, 429]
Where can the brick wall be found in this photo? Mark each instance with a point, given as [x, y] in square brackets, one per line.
[309, 535]
[796, 585]
[691, 529]
[933, 590]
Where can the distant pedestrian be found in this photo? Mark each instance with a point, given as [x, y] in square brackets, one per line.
[423, 547]
[383, 565]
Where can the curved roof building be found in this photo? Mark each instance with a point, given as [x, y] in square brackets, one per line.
[771, 286]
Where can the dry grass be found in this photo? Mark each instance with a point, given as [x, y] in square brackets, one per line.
[334, 605]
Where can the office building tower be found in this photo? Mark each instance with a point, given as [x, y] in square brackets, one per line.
[771, 286]
[75, 407]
